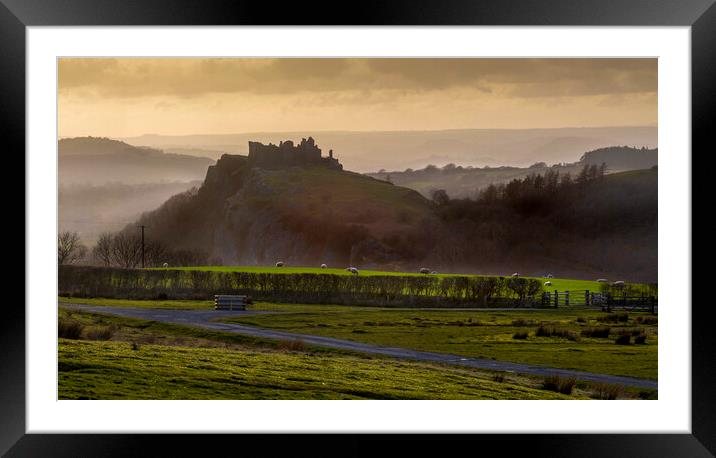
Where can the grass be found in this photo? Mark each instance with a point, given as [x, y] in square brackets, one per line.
[167, 304]
[482, 334]
[559, 284]
[149, 360]
[116, 370]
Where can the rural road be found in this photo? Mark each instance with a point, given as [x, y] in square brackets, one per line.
[202, 318]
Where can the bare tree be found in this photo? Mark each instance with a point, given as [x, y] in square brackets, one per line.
[156, 253]
[69, 248]
[126, 250]
[102, 251]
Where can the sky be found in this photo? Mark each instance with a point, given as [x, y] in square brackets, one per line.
[124, 97]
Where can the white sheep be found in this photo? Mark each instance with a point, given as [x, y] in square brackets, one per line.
[602, 280]
[618, 283]
[548, 283]
[515, 274]
[353, 270]
[424, 270]
[434, 272]
[323, 266]
[550, 276]
[279, 264]
[165, 265]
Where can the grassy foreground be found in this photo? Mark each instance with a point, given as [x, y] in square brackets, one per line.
[115, 370]
[565, 339]
[559, 284]
[137, 359]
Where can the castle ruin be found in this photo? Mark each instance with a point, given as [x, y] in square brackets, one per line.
[286, 154]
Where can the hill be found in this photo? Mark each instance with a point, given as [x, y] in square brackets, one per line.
[255, 211]
[300, 214]
[589, 226]
[95, 161]
[620, 158]
[466, 181]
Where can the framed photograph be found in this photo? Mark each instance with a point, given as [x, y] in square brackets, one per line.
[408, 218]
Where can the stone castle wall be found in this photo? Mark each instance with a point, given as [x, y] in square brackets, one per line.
[286, 154]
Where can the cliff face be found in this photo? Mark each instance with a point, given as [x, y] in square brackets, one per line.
[303, 215]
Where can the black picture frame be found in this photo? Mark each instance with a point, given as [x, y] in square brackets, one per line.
[700, 15]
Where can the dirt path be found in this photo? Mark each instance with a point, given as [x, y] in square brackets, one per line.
[202, 318]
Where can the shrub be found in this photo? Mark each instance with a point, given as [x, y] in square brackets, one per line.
[523, 322]
[624, 339]
[520, 335]
[647, 320]
[614, 318]
[606, 391]
[292, 345]
[69, 329]
[100, 332]
[596, 332]
[640, 339]
[581, 320]
[550, 331]
[559, 384]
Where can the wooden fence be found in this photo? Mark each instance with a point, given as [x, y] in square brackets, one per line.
[605, 301]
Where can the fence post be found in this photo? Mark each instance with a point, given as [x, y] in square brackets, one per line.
[566, 298]
[556, 298]
[586, 297]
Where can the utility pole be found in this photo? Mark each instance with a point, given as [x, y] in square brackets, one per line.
[142, 226]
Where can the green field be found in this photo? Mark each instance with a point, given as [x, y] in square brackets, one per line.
[149, 360]
[483, 334]
[475, 333]
[558, 284]
[168, 304]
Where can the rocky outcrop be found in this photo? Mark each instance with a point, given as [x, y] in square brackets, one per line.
[287, 202]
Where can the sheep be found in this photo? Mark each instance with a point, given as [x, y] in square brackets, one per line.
[548, 283]
[279, 264]
[424, 270]
[165, 265]
[602, 280]
[353, 270]
[323, 266]
[515, 274]
[434, 272]
[550, 276]
[618, 283]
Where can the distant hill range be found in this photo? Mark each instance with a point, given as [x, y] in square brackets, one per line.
[399, 150]
[94, 161]
[621, 158]
[467, 181]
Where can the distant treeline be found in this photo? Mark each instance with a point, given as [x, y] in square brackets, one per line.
[557, 222]
[392, 291]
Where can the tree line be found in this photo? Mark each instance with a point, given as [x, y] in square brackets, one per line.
[124, 249]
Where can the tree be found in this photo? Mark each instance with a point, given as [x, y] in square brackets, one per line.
[69, 248]
[102, 250]
[440, 197]
[156, 254]
[126, 250]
